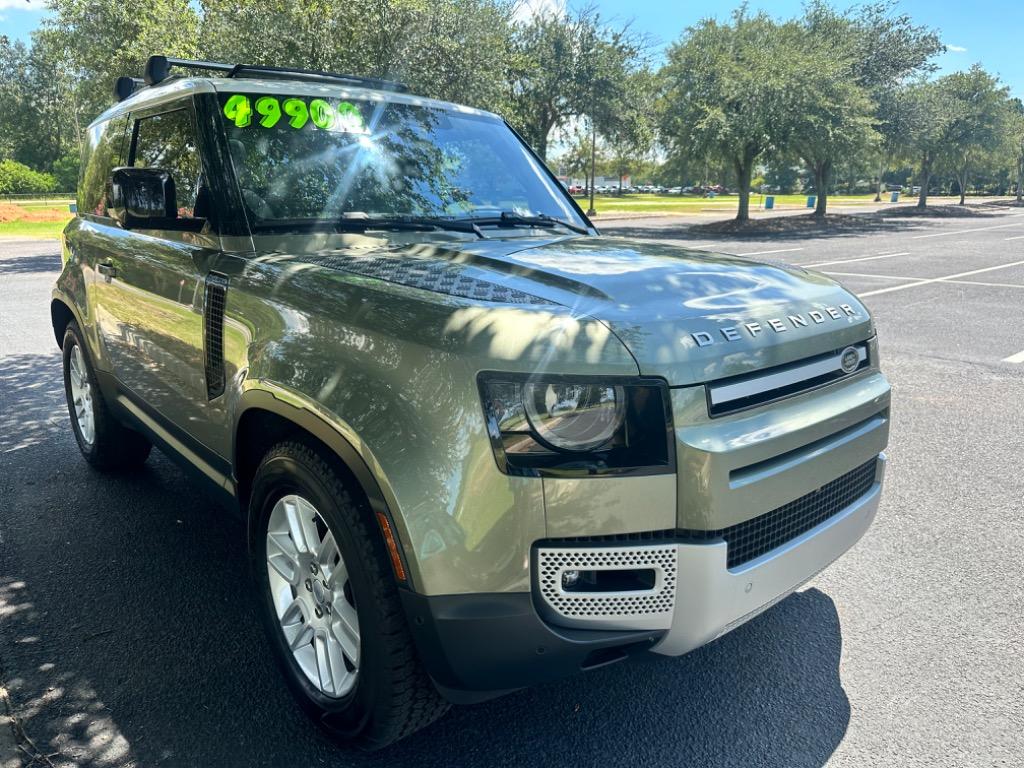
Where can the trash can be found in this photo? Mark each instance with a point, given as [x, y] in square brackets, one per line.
[812, 200]
[73, 208]
[894, 197]
[769, 202]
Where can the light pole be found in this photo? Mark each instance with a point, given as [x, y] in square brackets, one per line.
[593, 164]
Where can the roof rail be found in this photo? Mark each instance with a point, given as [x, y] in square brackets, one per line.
[158, 69]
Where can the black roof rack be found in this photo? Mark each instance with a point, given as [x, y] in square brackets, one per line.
[126, 86]
[158, 69]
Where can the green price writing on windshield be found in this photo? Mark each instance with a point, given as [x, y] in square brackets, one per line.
[343, 117]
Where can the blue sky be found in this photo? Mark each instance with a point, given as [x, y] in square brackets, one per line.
[975, 32]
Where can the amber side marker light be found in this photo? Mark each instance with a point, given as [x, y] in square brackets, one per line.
[392, 545]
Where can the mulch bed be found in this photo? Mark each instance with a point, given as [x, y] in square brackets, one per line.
[937, 212]
[806, 223]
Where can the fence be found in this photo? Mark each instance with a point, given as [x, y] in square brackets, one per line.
[55, 198]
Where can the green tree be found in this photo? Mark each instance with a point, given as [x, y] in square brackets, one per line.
[845, 66]
[978, 110]
[565, 66]
[1015, 139]
[627, 127]
[920, 119]
[99, 41]
[449, 49]
[725, 93]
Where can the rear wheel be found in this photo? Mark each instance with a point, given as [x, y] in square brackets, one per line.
[330, 604]
[105, 443]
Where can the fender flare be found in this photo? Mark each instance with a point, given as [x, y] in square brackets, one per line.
[306, 415]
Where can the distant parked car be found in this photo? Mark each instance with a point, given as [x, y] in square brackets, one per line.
[915, 190]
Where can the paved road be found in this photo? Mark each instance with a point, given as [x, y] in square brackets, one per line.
[128, 636]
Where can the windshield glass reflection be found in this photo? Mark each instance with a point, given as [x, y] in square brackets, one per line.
[302, 160]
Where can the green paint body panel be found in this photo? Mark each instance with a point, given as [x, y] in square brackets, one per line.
[391, 369]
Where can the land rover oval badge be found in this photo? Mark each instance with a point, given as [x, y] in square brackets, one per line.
[849, 360]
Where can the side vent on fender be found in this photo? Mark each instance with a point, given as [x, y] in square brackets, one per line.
[213, 333]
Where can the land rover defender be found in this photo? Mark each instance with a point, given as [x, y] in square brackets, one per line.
[477, 445]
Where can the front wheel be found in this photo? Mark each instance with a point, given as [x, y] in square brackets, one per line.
[330, 604]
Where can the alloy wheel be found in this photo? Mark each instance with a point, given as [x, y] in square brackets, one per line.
[312, 596]
[81, 396]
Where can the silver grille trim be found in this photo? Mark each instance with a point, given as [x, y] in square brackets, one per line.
[634, 609]
[762, 386]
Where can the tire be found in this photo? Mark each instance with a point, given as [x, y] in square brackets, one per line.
[382, 695]
[105, 443]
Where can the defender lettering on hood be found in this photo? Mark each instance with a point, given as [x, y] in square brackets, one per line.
[735, 333]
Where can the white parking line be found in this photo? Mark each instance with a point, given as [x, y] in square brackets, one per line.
[965, 231]
[877, 277]
[892, 288]
[987, 285]
[765, 253]
[849, 261]
[1018, 358]
[1016, 237]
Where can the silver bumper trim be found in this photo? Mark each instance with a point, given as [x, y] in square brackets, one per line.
[712, 600]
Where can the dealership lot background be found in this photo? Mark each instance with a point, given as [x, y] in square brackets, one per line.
[128, 635]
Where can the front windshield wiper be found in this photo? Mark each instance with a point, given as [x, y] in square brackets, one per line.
[513, 219]
[362, 223]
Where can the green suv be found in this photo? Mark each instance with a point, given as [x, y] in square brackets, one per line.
[477, 445]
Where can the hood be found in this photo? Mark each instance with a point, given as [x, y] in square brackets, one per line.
[688, 316]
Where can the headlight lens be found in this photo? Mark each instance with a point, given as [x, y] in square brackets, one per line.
[563, 426]
[574, 417]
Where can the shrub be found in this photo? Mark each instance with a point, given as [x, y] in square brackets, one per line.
[17, 179]
[65, 171]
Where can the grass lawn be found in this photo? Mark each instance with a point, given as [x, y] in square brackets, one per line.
[682, 204]
[33, 218]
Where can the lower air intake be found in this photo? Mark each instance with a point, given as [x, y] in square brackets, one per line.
[624, 609]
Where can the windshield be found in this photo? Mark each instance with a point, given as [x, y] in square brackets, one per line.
[304, 160]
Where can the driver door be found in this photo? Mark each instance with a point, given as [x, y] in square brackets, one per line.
[151, 306]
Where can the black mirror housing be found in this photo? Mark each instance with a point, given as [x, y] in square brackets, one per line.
[143, 198]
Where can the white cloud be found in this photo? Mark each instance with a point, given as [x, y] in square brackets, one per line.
[951, 48]
[23, 5]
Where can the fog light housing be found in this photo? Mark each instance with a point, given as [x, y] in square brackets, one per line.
[569, 579]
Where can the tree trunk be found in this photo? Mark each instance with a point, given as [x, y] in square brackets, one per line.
[744, 171]
[924, 179]
[822, 172]
[1020, 179]
[878, 186]
[961, 180]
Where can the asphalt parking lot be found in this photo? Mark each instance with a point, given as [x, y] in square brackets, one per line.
[128, 635]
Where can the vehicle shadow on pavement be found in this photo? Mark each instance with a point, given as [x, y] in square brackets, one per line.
[34, 262]
[128, 635]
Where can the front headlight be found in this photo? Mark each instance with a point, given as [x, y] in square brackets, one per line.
[574, 417]
[569, 426]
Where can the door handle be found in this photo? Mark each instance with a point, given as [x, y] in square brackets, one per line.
[109, 271]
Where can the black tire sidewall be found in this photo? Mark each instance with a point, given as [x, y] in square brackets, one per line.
[72, 339]
[284, 474]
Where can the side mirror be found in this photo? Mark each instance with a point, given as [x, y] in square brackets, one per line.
[143, 198]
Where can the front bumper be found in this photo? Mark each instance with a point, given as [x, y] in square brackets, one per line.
[711, 599]
[476, 646]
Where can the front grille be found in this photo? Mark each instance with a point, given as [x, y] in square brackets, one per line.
[751, 539]
[750, 390]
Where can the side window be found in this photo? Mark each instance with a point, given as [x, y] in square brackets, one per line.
[168, 141]
[102, 152]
